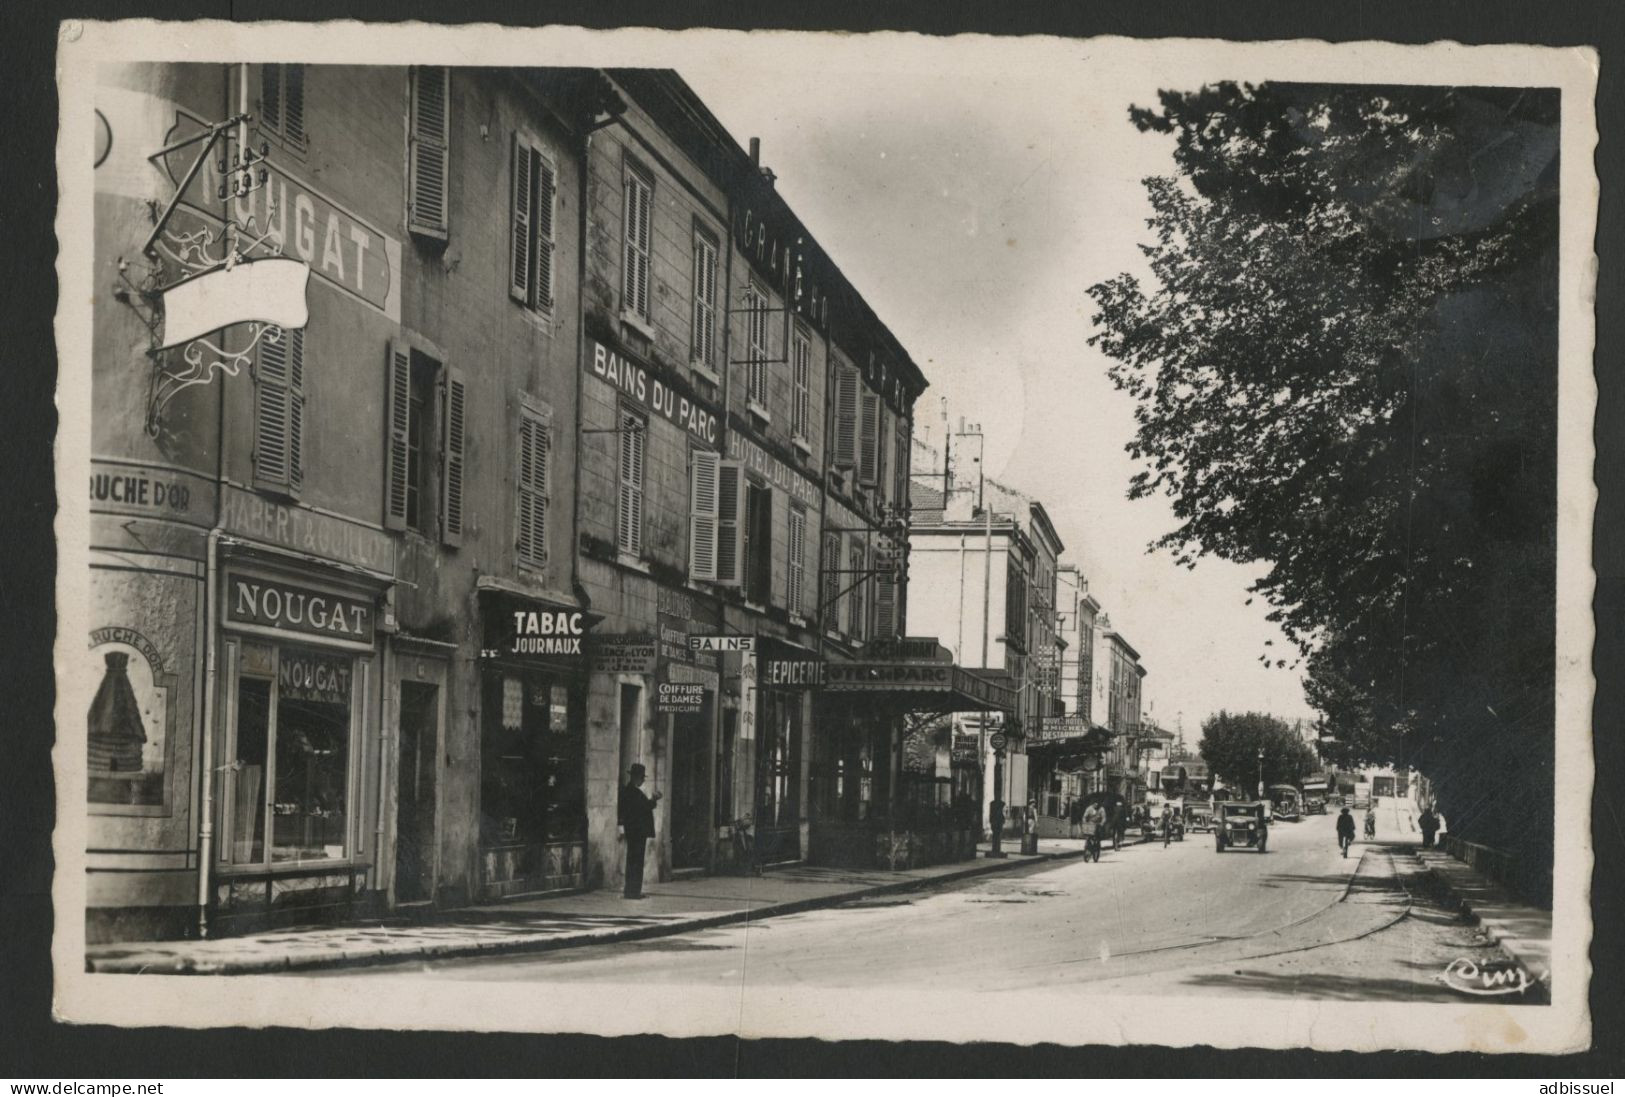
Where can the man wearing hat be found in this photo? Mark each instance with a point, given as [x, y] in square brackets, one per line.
[637, 825]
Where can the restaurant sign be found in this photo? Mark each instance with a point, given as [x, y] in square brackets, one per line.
[264, 604]
[629, 654]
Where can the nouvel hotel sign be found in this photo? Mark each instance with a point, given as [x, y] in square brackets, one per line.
[276, 606]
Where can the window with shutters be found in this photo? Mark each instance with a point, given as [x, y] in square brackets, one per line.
[428, 136]
[279, 412]
[900, 463]
[833, 583]
[704, 490]
[731, 509]
[535, 463]
[426, 423]
[858, 619]
[796, 589]
[800, 386]
[629, 510]
[758, 543]
[846, 417]
[756, 352]
[869, 438]
[637, 233]
[703, 351]
[532, 212]
[282, 103]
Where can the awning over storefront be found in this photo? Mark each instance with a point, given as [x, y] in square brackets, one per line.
[921, 687]
[1070, 752]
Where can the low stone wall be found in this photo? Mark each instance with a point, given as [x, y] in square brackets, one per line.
[1532, 883]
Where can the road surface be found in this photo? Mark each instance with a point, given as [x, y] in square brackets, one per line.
[1183, 919]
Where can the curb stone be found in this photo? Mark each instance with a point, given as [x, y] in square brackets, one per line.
[375, 956]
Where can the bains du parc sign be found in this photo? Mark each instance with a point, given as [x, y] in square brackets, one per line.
[659, 397]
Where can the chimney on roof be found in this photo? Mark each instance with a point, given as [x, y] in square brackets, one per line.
[755, 152]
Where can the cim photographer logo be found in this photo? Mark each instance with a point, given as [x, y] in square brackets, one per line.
[1488, 978]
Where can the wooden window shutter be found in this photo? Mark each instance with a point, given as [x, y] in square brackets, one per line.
[886, 596]
[705, 301]
[833, 599]
[629, 536]
[702, 515]
[428, 150]
[534, 445]
[293, 102]
[869, 440]
[731, 487]
[900, 463]
[846, 417]
[546, 194]
[798, 560]
[519, 221]
[397, 418]
[271, 97]
[452, 456]
[636, 288]
[279, 412]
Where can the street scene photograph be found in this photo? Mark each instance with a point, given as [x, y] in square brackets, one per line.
[862, 536]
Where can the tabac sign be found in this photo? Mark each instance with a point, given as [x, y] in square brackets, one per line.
[339, 247]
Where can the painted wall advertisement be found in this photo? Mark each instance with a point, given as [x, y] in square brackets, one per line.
[129, 720]
[686, 675]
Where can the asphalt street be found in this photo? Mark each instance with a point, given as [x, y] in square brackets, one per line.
[1298, 920]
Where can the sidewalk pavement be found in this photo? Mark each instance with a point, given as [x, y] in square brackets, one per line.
[549, 922]
[1522, 931]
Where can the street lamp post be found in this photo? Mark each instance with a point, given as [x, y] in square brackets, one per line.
[1260, 773]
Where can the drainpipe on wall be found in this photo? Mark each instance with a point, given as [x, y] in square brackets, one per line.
[205, 840]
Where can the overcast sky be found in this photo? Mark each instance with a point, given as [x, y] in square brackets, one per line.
[973, 206]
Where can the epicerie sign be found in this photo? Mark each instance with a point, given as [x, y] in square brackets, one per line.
[790, 673]
[634, 381]
[288, 608]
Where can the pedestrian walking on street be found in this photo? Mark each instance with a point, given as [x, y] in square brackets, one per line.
[1119, 825]
[1429, 823]
[636, 814]
[1093, 823]
[1370, 822]
[1074, 816]
[1345, 831]
[1167, 825]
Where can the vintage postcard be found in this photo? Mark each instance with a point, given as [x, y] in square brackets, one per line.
[849, 536]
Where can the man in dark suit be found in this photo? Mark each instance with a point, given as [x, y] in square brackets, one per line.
[637, 826]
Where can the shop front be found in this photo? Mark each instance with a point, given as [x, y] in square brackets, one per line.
[533, 754]
[1063, 762]
[297, 825]
[892, 785]
[687, 685]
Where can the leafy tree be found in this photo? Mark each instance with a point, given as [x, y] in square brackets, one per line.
[1346, 369]
[1231, 743]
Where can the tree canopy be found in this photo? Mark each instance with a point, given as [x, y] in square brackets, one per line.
[1231, 743]
[1344, 367]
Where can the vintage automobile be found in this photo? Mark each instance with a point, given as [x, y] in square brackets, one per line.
[1241, 823]
[1285, 801]
[1199, 818]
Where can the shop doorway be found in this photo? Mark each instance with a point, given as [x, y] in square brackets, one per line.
[691, 788]
[417, 781]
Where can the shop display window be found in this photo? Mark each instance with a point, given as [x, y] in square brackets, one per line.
[290, 740]
[533, 768]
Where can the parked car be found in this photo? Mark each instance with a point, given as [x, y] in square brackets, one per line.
[1241, 823]
[1199, 819]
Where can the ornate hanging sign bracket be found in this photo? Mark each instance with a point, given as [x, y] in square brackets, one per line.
[248, 281]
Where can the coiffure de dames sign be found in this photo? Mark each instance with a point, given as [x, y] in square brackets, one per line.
[283, 607]
[633, 381]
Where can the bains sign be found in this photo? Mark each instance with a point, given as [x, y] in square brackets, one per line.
[282, 607]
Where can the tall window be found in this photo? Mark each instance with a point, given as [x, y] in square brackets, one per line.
[833, 582]
[756, 339]
[427, 150]
[869, 451]
[705, 300]
[279, 412]
[535, 445]
[857, 605]
[427, 412]
[637, 232]
[797, 555]
[846, 417]
[800, 380]
[629, 513]
[282, 102]
[900, 460]
[758, 543]
[533, 193]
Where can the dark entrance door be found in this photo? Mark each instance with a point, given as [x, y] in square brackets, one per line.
[778, 779]
[691, 789]
[415, 787]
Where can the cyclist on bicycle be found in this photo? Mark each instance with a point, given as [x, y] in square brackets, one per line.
[1345, 831]
[1094, 821]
